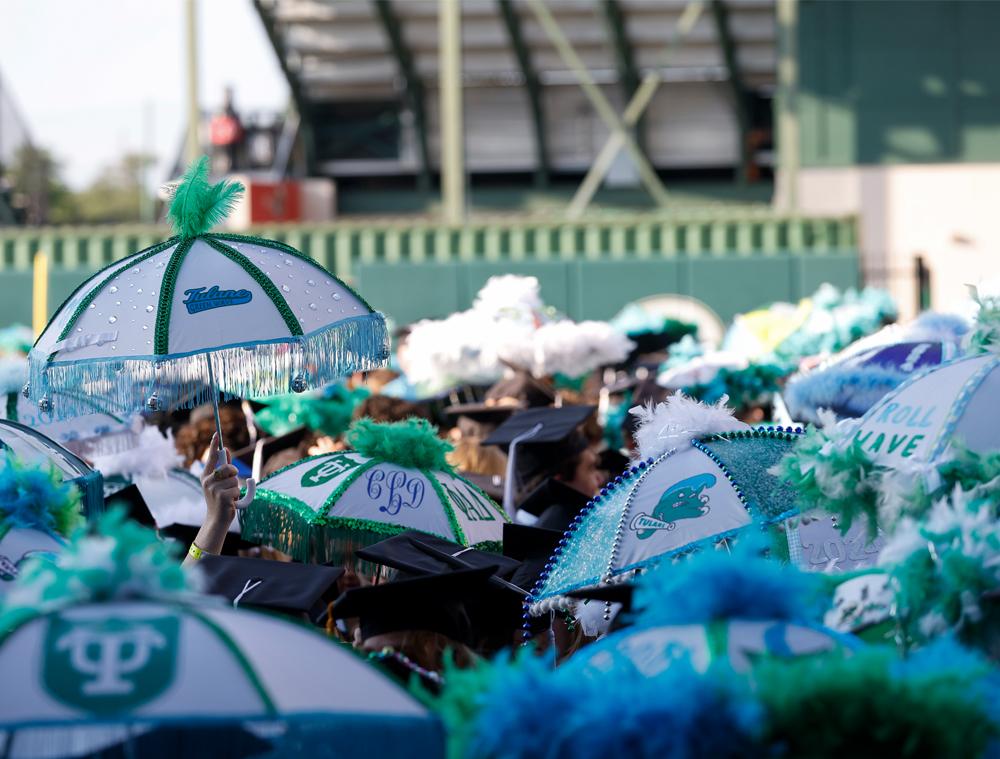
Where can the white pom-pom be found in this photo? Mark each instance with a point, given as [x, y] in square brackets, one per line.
[153, 456]
[679, 420]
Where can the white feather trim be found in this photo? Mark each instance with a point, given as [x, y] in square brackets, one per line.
[679, 420]
[13, 373]
[153, 456]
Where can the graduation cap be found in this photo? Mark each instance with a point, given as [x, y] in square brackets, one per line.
[485, 412]
[533, 547]
[616, 593]
[418, 553]
[547, 434]
[434, 603]
[521, 387]
[281, 586]
[130, 498]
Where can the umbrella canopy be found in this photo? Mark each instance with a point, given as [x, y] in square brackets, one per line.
[850, 385]
[35, 448]
[318, 507]
[740, 642]
[686, 498]
[140, 332]
[19, 545]
[919, 421]
[88, 435]
[156, 663]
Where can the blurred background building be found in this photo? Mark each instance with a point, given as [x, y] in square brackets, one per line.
[760, 147]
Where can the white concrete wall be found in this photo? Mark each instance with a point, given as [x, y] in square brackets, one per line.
[947, 213]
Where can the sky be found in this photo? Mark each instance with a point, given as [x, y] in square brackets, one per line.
[94, 79]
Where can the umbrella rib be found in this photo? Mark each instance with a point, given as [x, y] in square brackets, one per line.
[240, 657]
[125, 263]
[261, 279]
[161, 332]
[285, 248]
[449, 509]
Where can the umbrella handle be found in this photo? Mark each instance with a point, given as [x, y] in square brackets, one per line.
[248, 496]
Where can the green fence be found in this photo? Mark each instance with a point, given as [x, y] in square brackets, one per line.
[587, 269]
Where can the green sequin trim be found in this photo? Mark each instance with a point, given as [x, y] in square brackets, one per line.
[285, 248]
[261, 279]
[122, 265]
[294, 464]
[349, 480]
[449, 508]
[161, 333]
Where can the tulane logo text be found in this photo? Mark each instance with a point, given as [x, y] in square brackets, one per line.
[202, 299]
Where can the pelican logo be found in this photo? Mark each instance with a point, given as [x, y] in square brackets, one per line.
[202, 299]
[111, 665]
[683, 500]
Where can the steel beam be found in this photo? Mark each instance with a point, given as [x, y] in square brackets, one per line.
[414, 87]
[741, 102]
[628, 72]
[294, 85]
[532, 85]
[607, 114]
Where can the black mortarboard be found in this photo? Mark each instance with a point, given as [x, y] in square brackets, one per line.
[434, 603]
[552, 492]
[134, 504]
[485, 412]
[533, 547]
[281, 586]
[549, 437]
[418, 553]
[185, 535]
[491, 484]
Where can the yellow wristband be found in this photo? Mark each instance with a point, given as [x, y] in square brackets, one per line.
[195, 553]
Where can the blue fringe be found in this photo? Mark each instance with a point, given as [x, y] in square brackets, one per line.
[242, 370]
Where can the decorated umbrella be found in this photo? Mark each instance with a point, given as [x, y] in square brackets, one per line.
[395, 479]
[38, 509]
[703, 477]
[33, 447]
[176, 323]
[111, 636]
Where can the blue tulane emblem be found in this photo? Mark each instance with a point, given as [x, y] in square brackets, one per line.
[683, 500]
[202, 299]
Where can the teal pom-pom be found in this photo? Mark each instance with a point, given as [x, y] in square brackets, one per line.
[37, 498]
[198, 205]
[412, 443]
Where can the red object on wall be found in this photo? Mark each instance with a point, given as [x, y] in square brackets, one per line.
[275, 201]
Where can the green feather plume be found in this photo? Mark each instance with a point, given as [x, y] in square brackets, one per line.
[830, 471]
[197, 205]
[412, 443]
[872, 705]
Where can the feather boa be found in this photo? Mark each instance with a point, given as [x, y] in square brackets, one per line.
[848, 391]
[152, 456]
[118, 560]
[35, 497]
[830, 471]
[13, 374]
[412, 443]
[741, 585]
[679, 420]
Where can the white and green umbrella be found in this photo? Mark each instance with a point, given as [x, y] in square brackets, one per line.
[651, 650]
[34, 448]
[174, 324]
[319, 508]
[147, 664]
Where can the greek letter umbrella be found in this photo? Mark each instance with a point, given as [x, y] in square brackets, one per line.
[396, 479]
[111, 636]
[707, 481]
[172, 325]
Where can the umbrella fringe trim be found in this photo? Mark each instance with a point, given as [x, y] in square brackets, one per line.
[562, 602]
[242, 371]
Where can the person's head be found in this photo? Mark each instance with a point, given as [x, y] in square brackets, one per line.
[424, 647]
[582, 472]
[193, 438]
[382, 408]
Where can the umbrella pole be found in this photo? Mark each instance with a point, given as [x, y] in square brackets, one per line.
[221, 459]
[215, 408]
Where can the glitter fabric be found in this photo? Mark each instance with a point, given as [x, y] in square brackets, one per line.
[635, 522]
